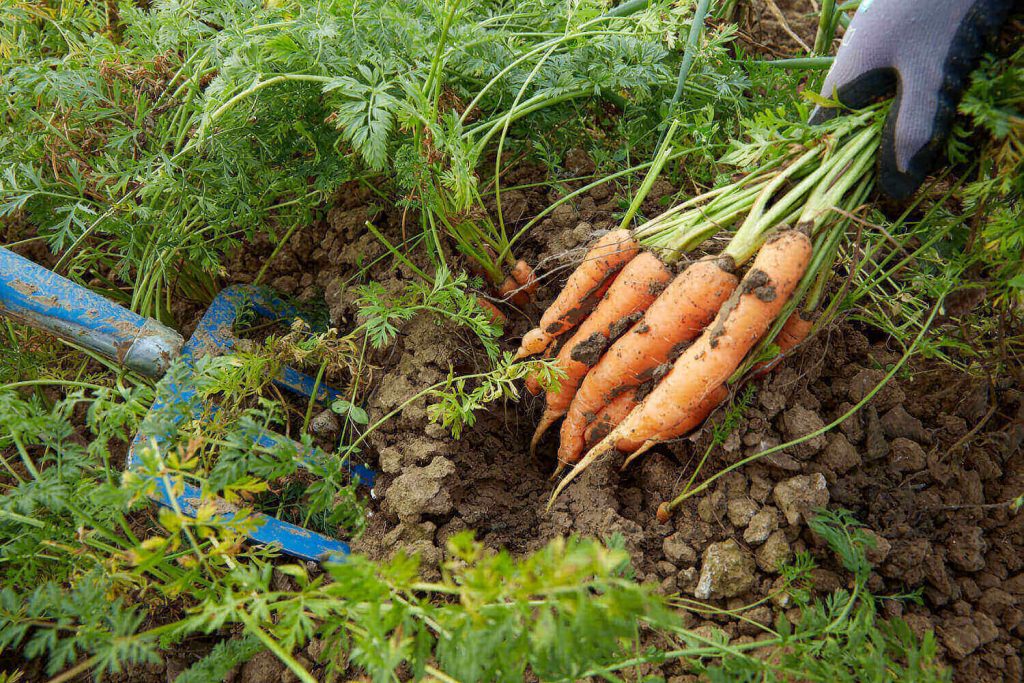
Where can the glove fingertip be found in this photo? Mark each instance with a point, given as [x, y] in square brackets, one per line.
[893, 183]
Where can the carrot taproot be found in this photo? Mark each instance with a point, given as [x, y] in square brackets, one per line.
[689, 422]
[582, 290]
[677, 316]
[497, 316]
[636, 287]
[609, 417]
[708, 363]
[524, 275]
[511, 290]
[792, 334]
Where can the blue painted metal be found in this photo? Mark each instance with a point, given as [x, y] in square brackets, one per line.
[42, 299]
[45, 300]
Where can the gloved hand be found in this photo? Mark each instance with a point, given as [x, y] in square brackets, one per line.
[924, 50]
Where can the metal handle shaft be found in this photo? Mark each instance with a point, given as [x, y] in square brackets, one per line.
[44, 300]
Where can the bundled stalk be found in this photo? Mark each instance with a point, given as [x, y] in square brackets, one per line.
[661, 377]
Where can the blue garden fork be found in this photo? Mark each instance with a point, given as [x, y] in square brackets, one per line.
[44, 300]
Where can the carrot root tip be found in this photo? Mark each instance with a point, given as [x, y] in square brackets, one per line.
[664, 513]
[644, 447]
[549, 418]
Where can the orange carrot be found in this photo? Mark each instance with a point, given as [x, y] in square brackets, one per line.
[606, 419]
[511, 290]
[689, 422]
[496, 315]
[708, 363]
[531, 382]
[678, 315]
[524, 275]
[582, 290]
[633, 291]
[792, 334]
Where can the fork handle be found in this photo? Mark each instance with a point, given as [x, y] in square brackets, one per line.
[40, 298]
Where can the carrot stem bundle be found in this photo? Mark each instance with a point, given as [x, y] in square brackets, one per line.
[671, 369]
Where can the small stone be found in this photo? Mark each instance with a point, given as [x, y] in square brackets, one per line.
[907, 456]
[960, 636]
[727, 571]
[760, 488]
[783, 461]
[761, 526]
[840, 455]
[325, 424]
[797, 423]
[665, 568]
[875, 445]
[797, 496]
[774, 553]
[678, 551]
[740, 511]
[668, 586]
[899, 423]
[965, 549]
[686, 579]
[422, 490]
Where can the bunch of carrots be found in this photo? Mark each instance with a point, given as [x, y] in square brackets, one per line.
[649, 353]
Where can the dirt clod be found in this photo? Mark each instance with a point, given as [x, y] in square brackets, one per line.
[761, 526]
[966, 548]
[797, 496]
[907, 456]
[678, 551]
[264, 667]
[840, 455]
[797, 423]
[898, 423]
[775, 552]
[422, 491]
[740, 511]
[727, 570]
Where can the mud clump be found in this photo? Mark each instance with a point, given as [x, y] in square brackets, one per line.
[421, 491]
[799, 496]
[727, 570]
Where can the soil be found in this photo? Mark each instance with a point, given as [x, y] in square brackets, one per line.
[927, 465]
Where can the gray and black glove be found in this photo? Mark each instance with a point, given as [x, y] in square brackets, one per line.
[924, 50]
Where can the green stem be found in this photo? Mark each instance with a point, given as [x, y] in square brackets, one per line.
[826, 27]
[660, 159]
[277, 650]
[689, 54]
